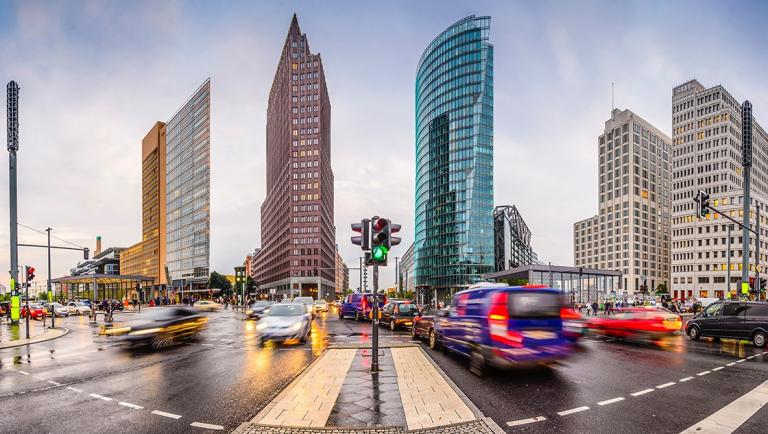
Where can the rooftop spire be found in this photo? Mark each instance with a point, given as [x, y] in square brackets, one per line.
[294, 30]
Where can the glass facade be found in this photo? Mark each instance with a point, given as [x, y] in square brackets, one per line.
[188, 185]
[454, 243]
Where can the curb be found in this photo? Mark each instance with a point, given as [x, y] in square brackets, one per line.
[42, 338]
[367, 346]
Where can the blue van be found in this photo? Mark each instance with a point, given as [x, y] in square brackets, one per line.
[502, 326]
[359, 305]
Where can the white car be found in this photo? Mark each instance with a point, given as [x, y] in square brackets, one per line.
[58, 309]
[78, 308]
[321, 306]
[207, 306]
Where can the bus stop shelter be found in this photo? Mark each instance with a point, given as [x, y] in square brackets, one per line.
[580, 284]
[100, 286]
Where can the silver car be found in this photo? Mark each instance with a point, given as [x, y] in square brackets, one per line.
[57, 308]
[285, 321]
[78, 308]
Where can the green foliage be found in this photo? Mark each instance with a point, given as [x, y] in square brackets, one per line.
[250, 285]
[219, 281]
[662, 289]
[515, 282]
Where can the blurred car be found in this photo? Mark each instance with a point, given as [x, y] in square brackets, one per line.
[116, 305]
[36, 311]
[207, 306]
[321, 306]
[308, 303]
[359, 305]
[160, 327]
[731, 319]
[284, 321]
[573, 325]
[78, 308]
[5, 306]
[58, 309]
[637, 322]
[500, 326]
[397, 314]
[258, 309]
[423, 323]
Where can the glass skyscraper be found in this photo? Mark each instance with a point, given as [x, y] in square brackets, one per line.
[454, 158]
[188, 190]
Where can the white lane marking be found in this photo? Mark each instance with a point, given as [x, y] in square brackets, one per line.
[104, 398]
[526, 421]
[610, 401]
[729, 418]
[731, 364]
[742, 360]
[208, 345]
[683, 380]
[74, 389]
[37, 377]
[642, 392]
[573, 410]
[162, 413]
[703, 373]
[129, 405]
[206, 425]
[54, 383]
[23, 372]
[662, 386]
[750, 357]
[718, 368]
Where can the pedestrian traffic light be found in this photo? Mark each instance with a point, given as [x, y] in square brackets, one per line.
[30, 273]
[364, 229]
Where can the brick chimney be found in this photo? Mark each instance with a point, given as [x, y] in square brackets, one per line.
[98, 245]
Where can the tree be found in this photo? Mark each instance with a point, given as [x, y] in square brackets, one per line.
[662, 289]
[250, 285]
[219, 281]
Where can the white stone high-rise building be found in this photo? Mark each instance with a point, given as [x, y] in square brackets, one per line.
[631, 232]
[706, 155]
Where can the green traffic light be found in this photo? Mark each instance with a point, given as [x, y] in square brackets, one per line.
[379, 253]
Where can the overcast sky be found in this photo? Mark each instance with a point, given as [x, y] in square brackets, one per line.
[95, 76]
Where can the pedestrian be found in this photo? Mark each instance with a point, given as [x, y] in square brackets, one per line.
[589, 307]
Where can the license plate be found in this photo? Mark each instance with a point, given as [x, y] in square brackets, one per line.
[539, 334]
[408, 323]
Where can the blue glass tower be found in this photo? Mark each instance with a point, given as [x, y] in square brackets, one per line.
[454, 158]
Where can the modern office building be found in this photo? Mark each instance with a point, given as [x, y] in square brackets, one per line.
[342, 274]
[188, 191]
[148, 257]
[298, 245]
[706, 155]
[454, 158]
[405, 271]
[631, 231]
[512, 239]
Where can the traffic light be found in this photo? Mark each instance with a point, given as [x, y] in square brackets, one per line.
[30, 273]
[364, 229]
[702, 204]
[382, 239]
[85, 253]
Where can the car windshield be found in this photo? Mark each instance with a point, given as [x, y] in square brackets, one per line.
[286, 310]
[34, 306]
[534, 304]
[80, 304]
[261, 304]
[407, 309]
[305, 300]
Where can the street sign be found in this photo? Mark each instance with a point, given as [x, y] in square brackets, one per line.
[273, 290]
[744, 287]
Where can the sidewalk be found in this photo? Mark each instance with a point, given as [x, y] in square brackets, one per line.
[338, 394]
[15, 335]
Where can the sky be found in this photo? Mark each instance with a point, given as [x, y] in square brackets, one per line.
[96, 75]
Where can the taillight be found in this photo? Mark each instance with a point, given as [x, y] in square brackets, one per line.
[498, 319]
[566, 313]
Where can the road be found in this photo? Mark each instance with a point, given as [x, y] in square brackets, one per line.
[81, 381]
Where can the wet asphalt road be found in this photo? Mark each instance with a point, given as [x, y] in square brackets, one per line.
[224, 378]
[609, 372]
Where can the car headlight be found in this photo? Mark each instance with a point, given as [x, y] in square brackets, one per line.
[261, 326]
[296, 327]
[146, 331]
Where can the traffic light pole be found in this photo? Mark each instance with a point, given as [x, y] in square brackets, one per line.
[26, 302]
[375, 321]
[745, 228]
[13, 146]
[50, 298]
[728, 271]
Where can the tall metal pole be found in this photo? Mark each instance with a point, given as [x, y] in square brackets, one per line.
[746, 162]
[13, 146]
[26, 296]
[50, 298]
[757, 253]
[360, 288]
[374, 321]
[728, 271]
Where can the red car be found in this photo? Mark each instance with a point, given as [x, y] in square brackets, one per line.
[573, 326]
[36, 311]
[637, 322]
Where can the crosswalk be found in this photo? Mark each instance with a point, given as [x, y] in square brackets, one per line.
[729, 418]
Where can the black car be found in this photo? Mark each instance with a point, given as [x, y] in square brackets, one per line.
[731, 319]
[258, 309]
[424, 323]
[160, 327]
[398, 314]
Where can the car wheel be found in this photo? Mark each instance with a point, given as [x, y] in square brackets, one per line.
[77, 312]
[414, 333]
[694, 333]
[392, 325]
[357, 316]
[758, 339]
[433, 343]
[341, 316]
[477, 363]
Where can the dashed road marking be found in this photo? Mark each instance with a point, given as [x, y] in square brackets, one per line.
[683, 380]
[206, 425]
[54, 383]
[573, 410]
[718, 368]
[162, 413]
[731, 364]
[74, 389]
[642, 392]
[37, 377]
[662, 386]
[526, 421]
[23, 372]
[104, 398]
[741, 360]
[703, 373]
[129, 405]
[611, 401]
[750, 357]
[208, 345]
